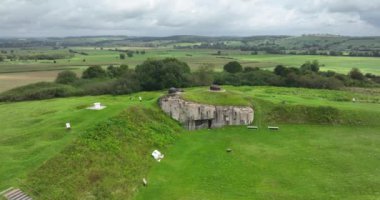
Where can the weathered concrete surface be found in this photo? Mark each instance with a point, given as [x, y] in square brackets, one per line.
[195, 116]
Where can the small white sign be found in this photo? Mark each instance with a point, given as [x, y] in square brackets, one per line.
[157, 155]
[68, 126]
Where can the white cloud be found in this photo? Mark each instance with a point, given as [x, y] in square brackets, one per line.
[168, 17]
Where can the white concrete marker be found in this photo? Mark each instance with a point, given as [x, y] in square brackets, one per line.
[157, 155]
[68, 125]
[97, 106]
[145, 182]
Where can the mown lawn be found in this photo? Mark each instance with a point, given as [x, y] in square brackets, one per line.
[296, 162]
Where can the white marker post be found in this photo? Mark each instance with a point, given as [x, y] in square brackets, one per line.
[68, 126]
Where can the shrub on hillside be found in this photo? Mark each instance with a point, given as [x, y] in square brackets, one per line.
[126, 84]
[38, 91]
[233, 67]
[95, 71]
[203, 76]
[160, 74]
[356, 74]
[114, 72]
[66, 77]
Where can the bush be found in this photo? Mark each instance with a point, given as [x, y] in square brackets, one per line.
[122, 56]
[38, 91]
[160, 74]
[66, 77]
[114, 72]
[127, 84]
[233, 67]
[97, 87]
[356, 74]
[203, 76]
[95, 71]
[310, 66]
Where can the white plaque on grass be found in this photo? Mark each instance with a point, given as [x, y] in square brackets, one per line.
[157, 155]
[97, 106]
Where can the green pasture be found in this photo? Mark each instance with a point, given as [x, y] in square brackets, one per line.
[296, 162]
[303, 160]
[33, 132]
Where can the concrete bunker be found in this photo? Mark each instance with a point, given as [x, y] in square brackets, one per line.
[197, 116]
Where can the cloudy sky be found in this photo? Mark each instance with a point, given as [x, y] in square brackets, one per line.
[188, 17]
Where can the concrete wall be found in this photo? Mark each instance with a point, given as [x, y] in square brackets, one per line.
[195, 116]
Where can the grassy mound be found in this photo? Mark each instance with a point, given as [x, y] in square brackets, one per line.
[223, 98]
[296, 105]
[107, 162]
[42, 90]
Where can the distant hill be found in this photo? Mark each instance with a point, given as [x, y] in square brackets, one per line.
[317, 44]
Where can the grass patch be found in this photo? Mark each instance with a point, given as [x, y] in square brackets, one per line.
[223, 98]
[107, 162]
[297, 162]
[33, 132]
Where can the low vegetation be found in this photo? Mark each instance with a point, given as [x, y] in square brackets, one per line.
[169, 72]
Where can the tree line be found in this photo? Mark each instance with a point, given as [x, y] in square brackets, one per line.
[154, 74]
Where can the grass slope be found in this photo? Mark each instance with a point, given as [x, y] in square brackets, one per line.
[297, 162]
[33, 132]
[107, 162]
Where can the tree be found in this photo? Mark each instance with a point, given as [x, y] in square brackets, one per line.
[250, 69]
[233, 67]
[127, 83]
[130, 54]
[115, 72]
[1, 58]
[160, 74]
[203, 76]
[66, 77]
[95, 71]
[280, 70]
[310, 66]
[356, 74]
[122, 56]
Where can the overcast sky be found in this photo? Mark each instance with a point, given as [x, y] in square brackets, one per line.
[191, 17]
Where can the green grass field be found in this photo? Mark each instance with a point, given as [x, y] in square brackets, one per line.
[33, 132]
[194, 57]
[327, 147]
[297, 162]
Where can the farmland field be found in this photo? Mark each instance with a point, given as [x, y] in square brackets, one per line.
[194, 57]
